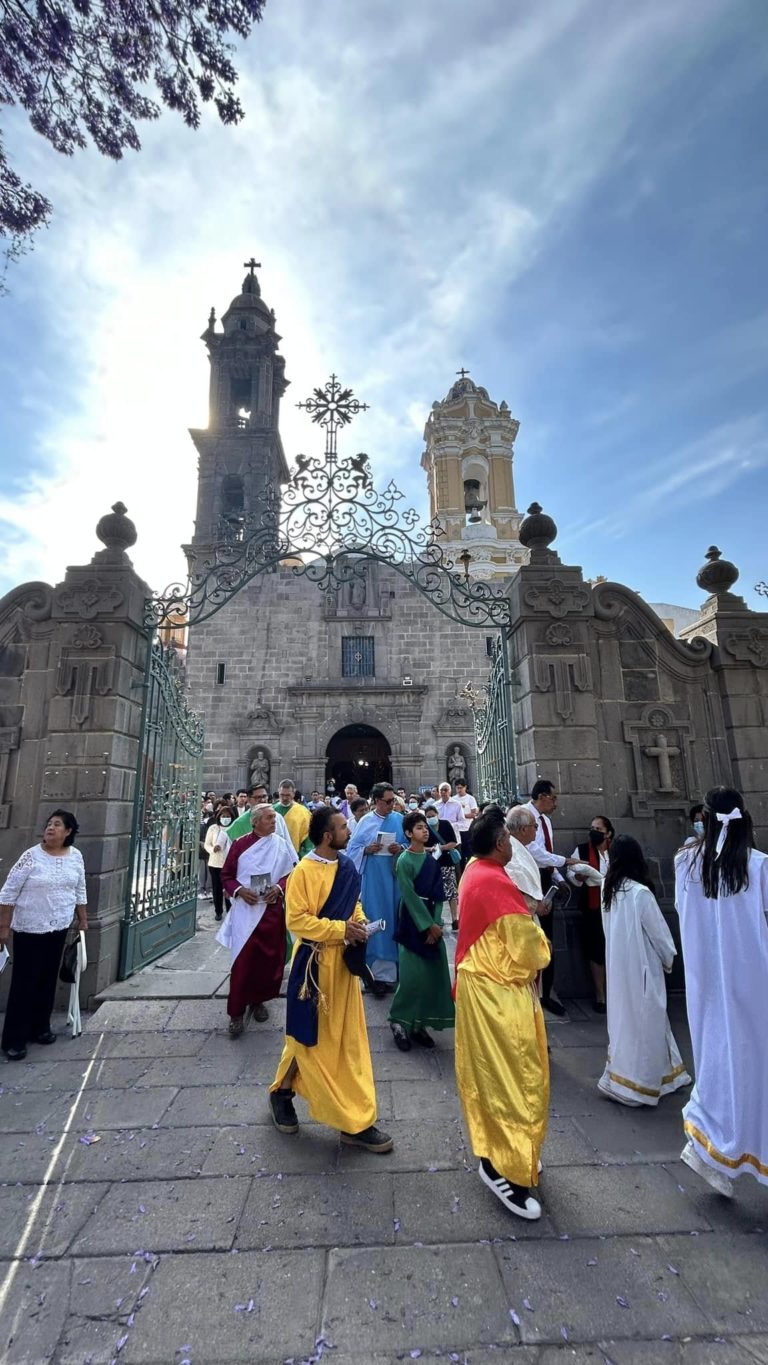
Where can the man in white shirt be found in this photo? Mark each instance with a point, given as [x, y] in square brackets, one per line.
[542, 804]
[449, 808]
[469, 810]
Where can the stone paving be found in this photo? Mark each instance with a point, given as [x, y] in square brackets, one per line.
[193, 1231]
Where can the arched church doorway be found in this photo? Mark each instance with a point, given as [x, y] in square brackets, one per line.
[359, 754]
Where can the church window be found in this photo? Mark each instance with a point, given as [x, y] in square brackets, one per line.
[232, 495]
[357, 656]
[221, 670]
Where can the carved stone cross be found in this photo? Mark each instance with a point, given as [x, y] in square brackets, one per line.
[252, 265]
[663, 751]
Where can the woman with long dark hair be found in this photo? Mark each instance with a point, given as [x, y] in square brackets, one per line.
[43, 893]
[644, 1061]
[721, 885]
[594, 853]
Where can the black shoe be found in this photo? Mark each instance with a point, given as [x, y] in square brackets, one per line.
[219, 916]
[372, 1139]
[599, 1007]
[516, 1198]
[401, 1037]
[45, 1039]
[259, 1013]
[554, 1007]
[378, 988]
[455, 926]
[15, 1054]
[423, 1038]
[283, 1112]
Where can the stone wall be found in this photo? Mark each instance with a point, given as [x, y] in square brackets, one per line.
[280, 641]
[71, 672]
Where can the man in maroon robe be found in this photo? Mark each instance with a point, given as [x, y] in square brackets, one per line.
[254, 876]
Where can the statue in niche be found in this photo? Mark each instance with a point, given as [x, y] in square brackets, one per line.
[260, 769]
[457, 766]
[356, 592]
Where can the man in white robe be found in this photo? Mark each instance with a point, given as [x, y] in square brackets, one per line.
[725, 949]
[644, 1061]
[254, 876]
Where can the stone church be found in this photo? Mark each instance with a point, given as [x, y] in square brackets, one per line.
[361, 682]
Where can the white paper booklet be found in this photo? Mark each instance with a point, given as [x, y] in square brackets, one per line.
[4, 958]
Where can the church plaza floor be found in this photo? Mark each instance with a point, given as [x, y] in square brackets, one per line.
[193, 1231]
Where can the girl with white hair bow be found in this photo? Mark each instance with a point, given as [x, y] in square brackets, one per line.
[721, 885]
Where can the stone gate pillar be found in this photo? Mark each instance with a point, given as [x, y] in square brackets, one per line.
[73, 658]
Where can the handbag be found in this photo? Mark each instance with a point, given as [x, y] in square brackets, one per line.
[68, 968]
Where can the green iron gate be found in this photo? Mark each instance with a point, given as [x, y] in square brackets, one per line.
[494, 733]
[163, 865]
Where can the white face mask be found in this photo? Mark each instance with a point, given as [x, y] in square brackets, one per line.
[433, 824]
[698, 828]
[413, 805]
[225, 820]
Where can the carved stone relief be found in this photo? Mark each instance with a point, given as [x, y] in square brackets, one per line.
[749, 646]
[663, 761]
[557, 598]
[9, 740]
[88, 599]
[558, 634]
[85, 678]
[562, 672]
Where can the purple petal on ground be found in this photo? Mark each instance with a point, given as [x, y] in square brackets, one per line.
[673, 1270]
[564, 1238]
[634, 1253]
[621, 1301]
[396, 1224]
[431, 1170]
[130, 1320]
[564, 1333]
[142, 1209]
[121, 1343]
[514, 1317]
[592, 1261]
[666, 1337]
[454, 1302]
[372, 1304]
[415, 1355]
[527, 1304]
[662, 1295]
[132, 1270]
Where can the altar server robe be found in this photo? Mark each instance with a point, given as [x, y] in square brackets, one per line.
[644, 1062]
[725, 950]
[379, 894]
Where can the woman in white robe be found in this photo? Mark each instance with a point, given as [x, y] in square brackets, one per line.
[644, 1061]
[721, 885]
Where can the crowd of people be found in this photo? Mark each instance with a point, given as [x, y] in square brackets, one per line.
[355, 892]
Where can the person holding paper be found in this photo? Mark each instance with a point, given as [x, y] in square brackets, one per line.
[254, 876]
[42, 894]
[326, 1058]
[423, 998]
[372, 856]
[594, 854]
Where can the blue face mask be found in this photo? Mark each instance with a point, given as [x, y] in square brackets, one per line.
[698, 828]
[432, 824]
[413, 805]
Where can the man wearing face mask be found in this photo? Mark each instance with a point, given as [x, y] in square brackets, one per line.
[206, 816]
[217, 843]
[595, 854]
[696, 817]
[442, 832]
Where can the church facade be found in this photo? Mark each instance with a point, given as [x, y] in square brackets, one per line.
[362, 681]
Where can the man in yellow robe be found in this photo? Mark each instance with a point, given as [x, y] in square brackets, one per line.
[502, 1069]
[296, 817]
[326, 1059]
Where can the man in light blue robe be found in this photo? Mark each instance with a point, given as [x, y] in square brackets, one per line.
[380, 897]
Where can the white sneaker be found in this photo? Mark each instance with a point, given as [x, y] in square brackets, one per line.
[522, 1207]
[694, 1162]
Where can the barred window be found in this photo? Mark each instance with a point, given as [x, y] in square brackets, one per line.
[357, 658]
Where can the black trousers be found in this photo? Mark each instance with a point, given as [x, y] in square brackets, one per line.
[547, 924]
[36, 962]
[217, 887]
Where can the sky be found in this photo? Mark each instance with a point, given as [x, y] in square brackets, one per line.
[568, 197]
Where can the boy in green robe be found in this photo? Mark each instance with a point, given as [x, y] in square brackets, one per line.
[423, 998]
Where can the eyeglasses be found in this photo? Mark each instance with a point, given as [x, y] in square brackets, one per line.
[388, 800]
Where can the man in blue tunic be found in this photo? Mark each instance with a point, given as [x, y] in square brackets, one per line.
[378, 838]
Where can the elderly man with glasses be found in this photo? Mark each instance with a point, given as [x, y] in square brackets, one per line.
[377, 839]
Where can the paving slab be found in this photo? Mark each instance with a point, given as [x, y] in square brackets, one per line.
[199, 1070]
[212, 1014]
[262, 1150]
[163, 1215]
[138, 1154]
[450, 1206]
[746, 1212]
[217, 1104]
[45, 1227]
[400, 1299]
[580, 1287]
[438, 1144]
[302, 1211]
[148, 1044]
[648, 1353]
[410, 1102]
[34, 1311]
[23, 1112]
[142, 1015]
[565, 1145]
[728, 1277]
[176, 985]
[592, 1200]
[622, 1135]
[202, 1303]
[68, 1075]
[129, 1108]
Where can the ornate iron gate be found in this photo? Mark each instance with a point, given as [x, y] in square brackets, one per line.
[494, 734]
[163, 864]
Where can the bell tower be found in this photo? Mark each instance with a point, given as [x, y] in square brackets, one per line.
[468, 460]
[241, 456]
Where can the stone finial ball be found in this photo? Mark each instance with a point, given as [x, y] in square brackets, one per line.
[718, 575]
[537, 530]
[116, 530]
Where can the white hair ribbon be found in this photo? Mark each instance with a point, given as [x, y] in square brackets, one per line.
[724, 821]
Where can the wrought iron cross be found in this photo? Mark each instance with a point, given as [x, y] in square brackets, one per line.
[252, 265]
[462, 372]
[332, 407]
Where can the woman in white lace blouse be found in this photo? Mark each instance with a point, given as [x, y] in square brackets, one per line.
[42, 894]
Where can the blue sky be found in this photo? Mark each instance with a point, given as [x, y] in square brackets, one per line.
[566, 196]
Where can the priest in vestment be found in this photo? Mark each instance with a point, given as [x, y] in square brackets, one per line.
[258, 796]
[254, 876]
[377, 839]
[423, 998]
[644, 1061]
[326, 1058]
[502, 1069]
[721, 885]
[296, 817]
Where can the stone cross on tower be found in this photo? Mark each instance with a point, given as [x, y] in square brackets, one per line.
[462, 373]
[252, 265]
[663, 751]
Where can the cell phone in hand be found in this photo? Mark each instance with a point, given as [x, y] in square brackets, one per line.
[550, 896]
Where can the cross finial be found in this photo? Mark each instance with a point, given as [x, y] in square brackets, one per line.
[252, 265]
[462, 373]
